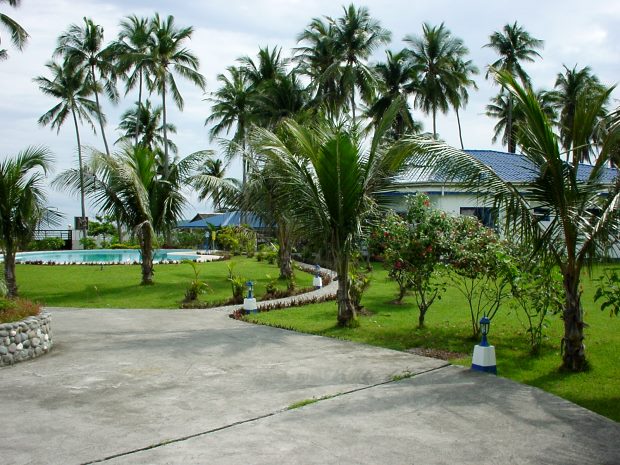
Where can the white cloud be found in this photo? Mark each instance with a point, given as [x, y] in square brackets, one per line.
[576, 32]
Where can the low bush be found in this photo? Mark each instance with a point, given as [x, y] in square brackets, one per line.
[48, 243]
[17, 309]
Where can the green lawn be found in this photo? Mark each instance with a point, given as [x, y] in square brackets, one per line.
[448, 328]
[118, 286]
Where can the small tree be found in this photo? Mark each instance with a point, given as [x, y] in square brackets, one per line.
[480, 268]
[415, 250]
[21, 204]
[537, 291]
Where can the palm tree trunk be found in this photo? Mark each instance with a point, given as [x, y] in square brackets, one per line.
[81, 169]
[284, 252]
[9, 270]
[458, 122]
[346, 310]
[146, 248]
[105, 141]
[573, 350]
[353, 104]
[511, 140]
[163, 101]
[434, 123]
[138, 121]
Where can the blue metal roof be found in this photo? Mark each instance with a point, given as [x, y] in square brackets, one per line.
[516, 168]
[223, 219]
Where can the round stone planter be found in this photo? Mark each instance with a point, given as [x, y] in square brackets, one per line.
[25, 339]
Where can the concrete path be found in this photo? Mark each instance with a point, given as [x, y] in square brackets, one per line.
[195, 387]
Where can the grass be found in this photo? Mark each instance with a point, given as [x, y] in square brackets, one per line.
[448, 328]
[118, 286]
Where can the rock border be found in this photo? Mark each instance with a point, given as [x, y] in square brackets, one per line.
[25, 339]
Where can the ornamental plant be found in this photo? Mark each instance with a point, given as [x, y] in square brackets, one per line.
[415, 248]
[536, 287]
[480, 268]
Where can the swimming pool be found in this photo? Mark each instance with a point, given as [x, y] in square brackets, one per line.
[103, 256]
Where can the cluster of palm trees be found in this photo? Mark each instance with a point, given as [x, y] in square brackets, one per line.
[148, 53]
[324, 134]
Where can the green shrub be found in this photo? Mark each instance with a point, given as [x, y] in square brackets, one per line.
[123, 245]
[237, 239]
[48, 243]
[88, 243]
[17, 309]
[196, 286]
[609, 290]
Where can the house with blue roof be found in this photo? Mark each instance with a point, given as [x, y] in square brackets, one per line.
[452, 197]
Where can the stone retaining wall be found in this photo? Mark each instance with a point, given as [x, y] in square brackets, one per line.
[25, 339]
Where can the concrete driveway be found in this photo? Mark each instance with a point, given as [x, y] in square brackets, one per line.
[195, 387]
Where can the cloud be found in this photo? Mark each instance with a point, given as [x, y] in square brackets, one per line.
[575, 32]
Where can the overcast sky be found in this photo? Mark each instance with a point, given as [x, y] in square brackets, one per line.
[574, 32]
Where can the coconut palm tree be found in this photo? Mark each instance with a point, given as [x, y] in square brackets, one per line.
[434, 55]
[83, 47]
[499, 109]
[356, 36]
[570, 86]
[69, 86]
[314, 57]
[232, 107]
[22, 204]
[144, 122]
[514, 45]
[19, 36]
[329, 183]
[211, 181]
[129, 185]
[583, 222]
[130, 51]
[458, 94]
[397, 79]
[166, 56]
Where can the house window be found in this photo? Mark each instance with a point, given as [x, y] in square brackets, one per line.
[542, 214]
[486, 215]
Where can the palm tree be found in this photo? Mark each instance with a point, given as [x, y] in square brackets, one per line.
[232, 106]
[19, 36]
[315, 57]
[83, 47]
[514, 45]
[499, 109]
[167, 55]
[21, 204]
[129, 185]
[284, 97]
[458, 94]
[69, 86]
[397, 79]
[211, 181]
[329, 183]
[143, 122]
[356, 36]
[130, 50]
[434, 55]
[583, 222]
[569, 88]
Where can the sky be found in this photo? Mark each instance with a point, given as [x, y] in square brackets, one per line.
[574, 33]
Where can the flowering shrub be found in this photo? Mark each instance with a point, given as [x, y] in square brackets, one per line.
[414, 250]
[481, 265]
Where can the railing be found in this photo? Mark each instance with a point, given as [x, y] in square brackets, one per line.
[64, 234]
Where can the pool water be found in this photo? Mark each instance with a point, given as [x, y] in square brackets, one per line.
[102, 256]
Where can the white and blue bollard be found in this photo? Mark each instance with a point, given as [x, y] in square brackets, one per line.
[317, 281]
[249, 303]
[484, 354]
